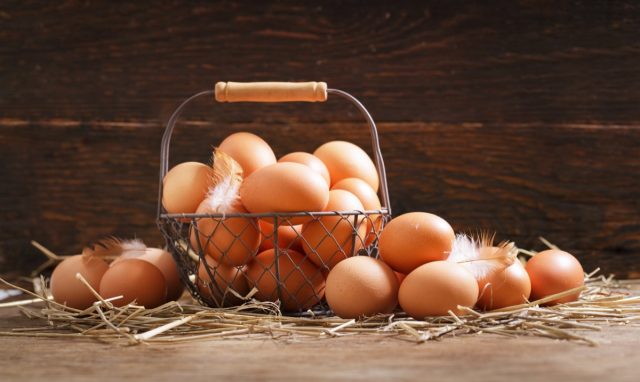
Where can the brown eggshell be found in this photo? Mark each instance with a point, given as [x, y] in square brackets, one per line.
[232, 241]
[437, 287]
[185, 187]
[225, 279]
[554, 271]
[309, 160]
[330, 239]
[249, 150]
[507, 287]
[68, 290]
[302, 282]
[413, 239]
[370, 201]
[346, 160]
[167, 265]
[361, 286]
[284, 187]
[134, 279]
[288, 236]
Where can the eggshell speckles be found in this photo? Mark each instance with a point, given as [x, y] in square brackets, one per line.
[554, 271]
[346, 160]
[309, 160]
[361, 286]
[134, 279]
[437, 287]
[249, 150]
[284, 187]
[413, 239]
[185, 187]
[302, 282]
[68, 290]
[330, 239]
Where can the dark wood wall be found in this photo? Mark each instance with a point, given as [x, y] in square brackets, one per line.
[521, 117]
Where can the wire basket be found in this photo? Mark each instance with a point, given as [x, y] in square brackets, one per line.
[225, 259]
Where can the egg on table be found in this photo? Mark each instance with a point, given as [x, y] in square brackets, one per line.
[135, 280]
[435, 288]
[506, 287]
[68, 290]
[413, 239]
[361, 286]
[554, 271]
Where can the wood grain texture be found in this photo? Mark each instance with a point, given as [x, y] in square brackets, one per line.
[70, 183]
[484, 358]
[509, 61]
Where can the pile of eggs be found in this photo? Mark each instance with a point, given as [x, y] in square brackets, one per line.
[417, 271]
[246, 177]
[145, 276]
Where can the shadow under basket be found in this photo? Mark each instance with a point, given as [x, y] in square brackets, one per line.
[228, 259]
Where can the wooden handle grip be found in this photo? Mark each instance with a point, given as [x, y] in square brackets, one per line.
[271, 91]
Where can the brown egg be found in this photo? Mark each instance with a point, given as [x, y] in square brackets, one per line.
[284, 187]
[554, 271]
[225, 279]
[185, 187]
[249, 150]
[309, 160]
[68, 290]
[437, 287]
[369, 200]
[346, 160]
[167, 265]
[134, 279]
[302, 282]
[288, 236]
[232, 241]
[330, 239]
[361, 286]
[413, 239]
[510, 286]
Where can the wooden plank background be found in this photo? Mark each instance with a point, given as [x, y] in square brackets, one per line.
[519, 116]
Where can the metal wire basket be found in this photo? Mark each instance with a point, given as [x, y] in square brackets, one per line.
[222, 257]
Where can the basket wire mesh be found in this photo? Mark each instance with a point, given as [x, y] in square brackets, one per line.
[223, 257]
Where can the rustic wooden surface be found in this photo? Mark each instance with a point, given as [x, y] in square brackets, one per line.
[520, 117]
[477, 358]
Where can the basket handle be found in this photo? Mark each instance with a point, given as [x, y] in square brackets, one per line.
[275, 92]
[271, 91]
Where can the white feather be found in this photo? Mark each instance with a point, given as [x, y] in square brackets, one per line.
[466, 252]
[224, 195]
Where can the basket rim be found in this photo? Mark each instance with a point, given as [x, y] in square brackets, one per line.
[382, 211]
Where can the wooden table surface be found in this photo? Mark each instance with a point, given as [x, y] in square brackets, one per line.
[477, 358]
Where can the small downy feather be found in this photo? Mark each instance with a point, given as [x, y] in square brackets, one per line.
[473, 254]
[113, 247]
[224, 195]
